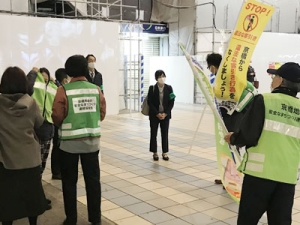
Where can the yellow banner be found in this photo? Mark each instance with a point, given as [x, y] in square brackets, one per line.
[231, 77]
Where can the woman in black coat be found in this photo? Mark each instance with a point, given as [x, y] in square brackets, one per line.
[160, 101]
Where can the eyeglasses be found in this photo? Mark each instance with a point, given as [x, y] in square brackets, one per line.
[273, 76]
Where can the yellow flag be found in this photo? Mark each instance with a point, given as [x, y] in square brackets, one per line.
[231, 78]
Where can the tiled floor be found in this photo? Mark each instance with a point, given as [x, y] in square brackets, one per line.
[56, 215]
[138, 191]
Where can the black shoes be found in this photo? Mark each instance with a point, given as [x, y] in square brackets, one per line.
[165, 156]
[68, 223]
[49, 206]
[218, 181]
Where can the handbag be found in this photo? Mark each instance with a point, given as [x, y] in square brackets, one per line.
[145, 106]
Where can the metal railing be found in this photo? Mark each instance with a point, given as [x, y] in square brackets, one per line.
[82, 9]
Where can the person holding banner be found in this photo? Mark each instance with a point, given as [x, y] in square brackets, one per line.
[272, 158]
[228, 113]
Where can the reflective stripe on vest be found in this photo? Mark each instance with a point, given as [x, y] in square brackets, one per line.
[71, 133]
[40, 85]
[274, 126]
[82, 91]
[282, 128]
[51, 90]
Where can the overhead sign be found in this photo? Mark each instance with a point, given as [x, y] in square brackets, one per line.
[145, 28]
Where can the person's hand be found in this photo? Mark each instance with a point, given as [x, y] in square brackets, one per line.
[35, 69]
[164, 115]
[227, 137]
[160, 116]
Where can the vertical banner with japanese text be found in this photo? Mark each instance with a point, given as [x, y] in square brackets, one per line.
[227, 164]
[231, 77]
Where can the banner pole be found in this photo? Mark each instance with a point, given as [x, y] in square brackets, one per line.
[196, 131]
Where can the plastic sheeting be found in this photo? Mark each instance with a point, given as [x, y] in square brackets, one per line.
[29, 42]
[181, 23]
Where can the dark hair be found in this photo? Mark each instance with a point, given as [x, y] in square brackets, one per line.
[158, 73]
[45, 70]
[90, 55]
[76, 66]
[14, 81]
[60, 74]
[213, 59]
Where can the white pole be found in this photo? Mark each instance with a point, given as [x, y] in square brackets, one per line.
[196, 131]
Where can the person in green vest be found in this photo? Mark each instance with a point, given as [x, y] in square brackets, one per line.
[272, 156]
[231, 112]
[43, 89]
[78, 108]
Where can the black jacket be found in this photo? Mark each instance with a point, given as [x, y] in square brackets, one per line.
[251, 126]
[153, 101]
[97, 79]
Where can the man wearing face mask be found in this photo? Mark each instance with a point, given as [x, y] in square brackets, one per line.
[161, 101]
[93, 76]
[230, 116]
[271, 161]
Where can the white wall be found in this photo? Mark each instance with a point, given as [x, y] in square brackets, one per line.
[179, 75]
[46, 42]
[273, 47]
[80, 5]
[14, 5]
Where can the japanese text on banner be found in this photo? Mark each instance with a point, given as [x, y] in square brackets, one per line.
[231, 77]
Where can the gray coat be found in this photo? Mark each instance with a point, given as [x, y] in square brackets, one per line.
[20, 115]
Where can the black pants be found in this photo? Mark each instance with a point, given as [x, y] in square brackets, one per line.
[91, 174]
[55, 165]
[260, 196]
[164, 130]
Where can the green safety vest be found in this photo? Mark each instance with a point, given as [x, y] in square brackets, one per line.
[277, 154]
[247, 95]
[83, 119]
[44, 96]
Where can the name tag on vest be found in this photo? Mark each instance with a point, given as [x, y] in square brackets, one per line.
[84, 104]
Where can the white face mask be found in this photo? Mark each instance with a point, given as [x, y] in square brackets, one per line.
[161, 80]
[91, 65]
